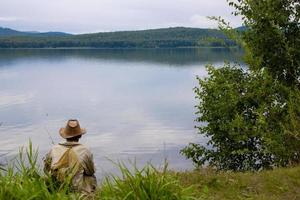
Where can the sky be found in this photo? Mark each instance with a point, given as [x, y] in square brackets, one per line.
[86, 16]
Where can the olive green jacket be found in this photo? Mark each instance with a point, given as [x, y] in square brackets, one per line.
[65, 155]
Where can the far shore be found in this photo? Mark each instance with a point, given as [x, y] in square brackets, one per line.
[120, 48]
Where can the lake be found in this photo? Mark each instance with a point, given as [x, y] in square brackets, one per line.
[136, 105]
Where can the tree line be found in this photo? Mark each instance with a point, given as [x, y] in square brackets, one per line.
[156, 38]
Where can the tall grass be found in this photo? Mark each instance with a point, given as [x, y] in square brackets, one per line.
[144, 184]
[24, 179]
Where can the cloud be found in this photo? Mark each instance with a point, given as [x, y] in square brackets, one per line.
[202, 21]
[8, 19]
[110, 15]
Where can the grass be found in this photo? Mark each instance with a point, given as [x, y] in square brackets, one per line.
[23, 179]
[277, 184]
[144, 184]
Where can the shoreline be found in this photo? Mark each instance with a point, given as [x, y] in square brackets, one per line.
[96, 48]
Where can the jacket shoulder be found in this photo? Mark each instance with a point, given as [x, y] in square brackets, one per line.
[82, 149]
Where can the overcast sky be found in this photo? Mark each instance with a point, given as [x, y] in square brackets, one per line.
[82, 16]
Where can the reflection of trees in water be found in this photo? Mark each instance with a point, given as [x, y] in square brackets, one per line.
[180, 56]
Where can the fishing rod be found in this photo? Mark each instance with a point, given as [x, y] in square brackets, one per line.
[50, 137]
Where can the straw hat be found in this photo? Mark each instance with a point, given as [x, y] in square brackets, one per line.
[72, 129]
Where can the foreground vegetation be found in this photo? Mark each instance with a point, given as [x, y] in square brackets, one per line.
[277, 184]
[23, 179]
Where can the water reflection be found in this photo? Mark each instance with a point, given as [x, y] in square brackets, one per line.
[10, 100]
[136, 104]
[168, 57]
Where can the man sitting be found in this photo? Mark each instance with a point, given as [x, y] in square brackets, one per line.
[71, 160]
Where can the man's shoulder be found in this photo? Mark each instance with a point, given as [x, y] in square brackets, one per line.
[82, 147]
[58, 146]
[57, 149]
[77, 147]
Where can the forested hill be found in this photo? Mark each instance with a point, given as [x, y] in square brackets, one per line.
[154, 38]
[10, 32]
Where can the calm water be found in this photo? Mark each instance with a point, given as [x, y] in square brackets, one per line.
[135, 104]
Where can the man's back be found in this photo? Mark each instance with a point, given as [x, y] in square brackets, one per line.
[68, 155]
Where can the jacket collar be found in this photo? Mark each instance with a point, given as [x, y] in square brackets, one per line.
[69, 144]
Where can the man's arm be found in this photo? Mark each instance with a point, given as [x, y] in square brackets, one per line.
[47, 162]
[89, 167]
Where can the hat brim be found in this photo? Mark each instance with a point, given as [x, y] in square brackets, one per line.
[62, 132]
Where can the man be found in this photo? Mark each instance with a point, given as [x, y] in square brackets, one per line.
[71, 161]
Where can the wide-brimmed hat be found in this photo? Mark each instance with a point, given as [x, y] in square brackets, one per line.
[72, 129]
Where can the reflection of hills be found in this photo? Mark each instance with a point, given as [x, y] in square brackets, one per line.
[184, 56]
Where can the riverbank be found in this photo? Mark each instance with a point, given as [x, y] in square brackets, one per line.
[282, 183]
[209, 184]
[24, 179]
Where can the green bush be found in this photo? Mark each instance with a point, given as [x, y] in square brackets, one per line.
[251, 121]
[251, 117]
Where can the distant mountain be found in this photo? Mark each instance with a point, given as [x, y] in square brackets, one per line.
[54, 34]
[154, 38]
[11, 32]
[242, 28]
